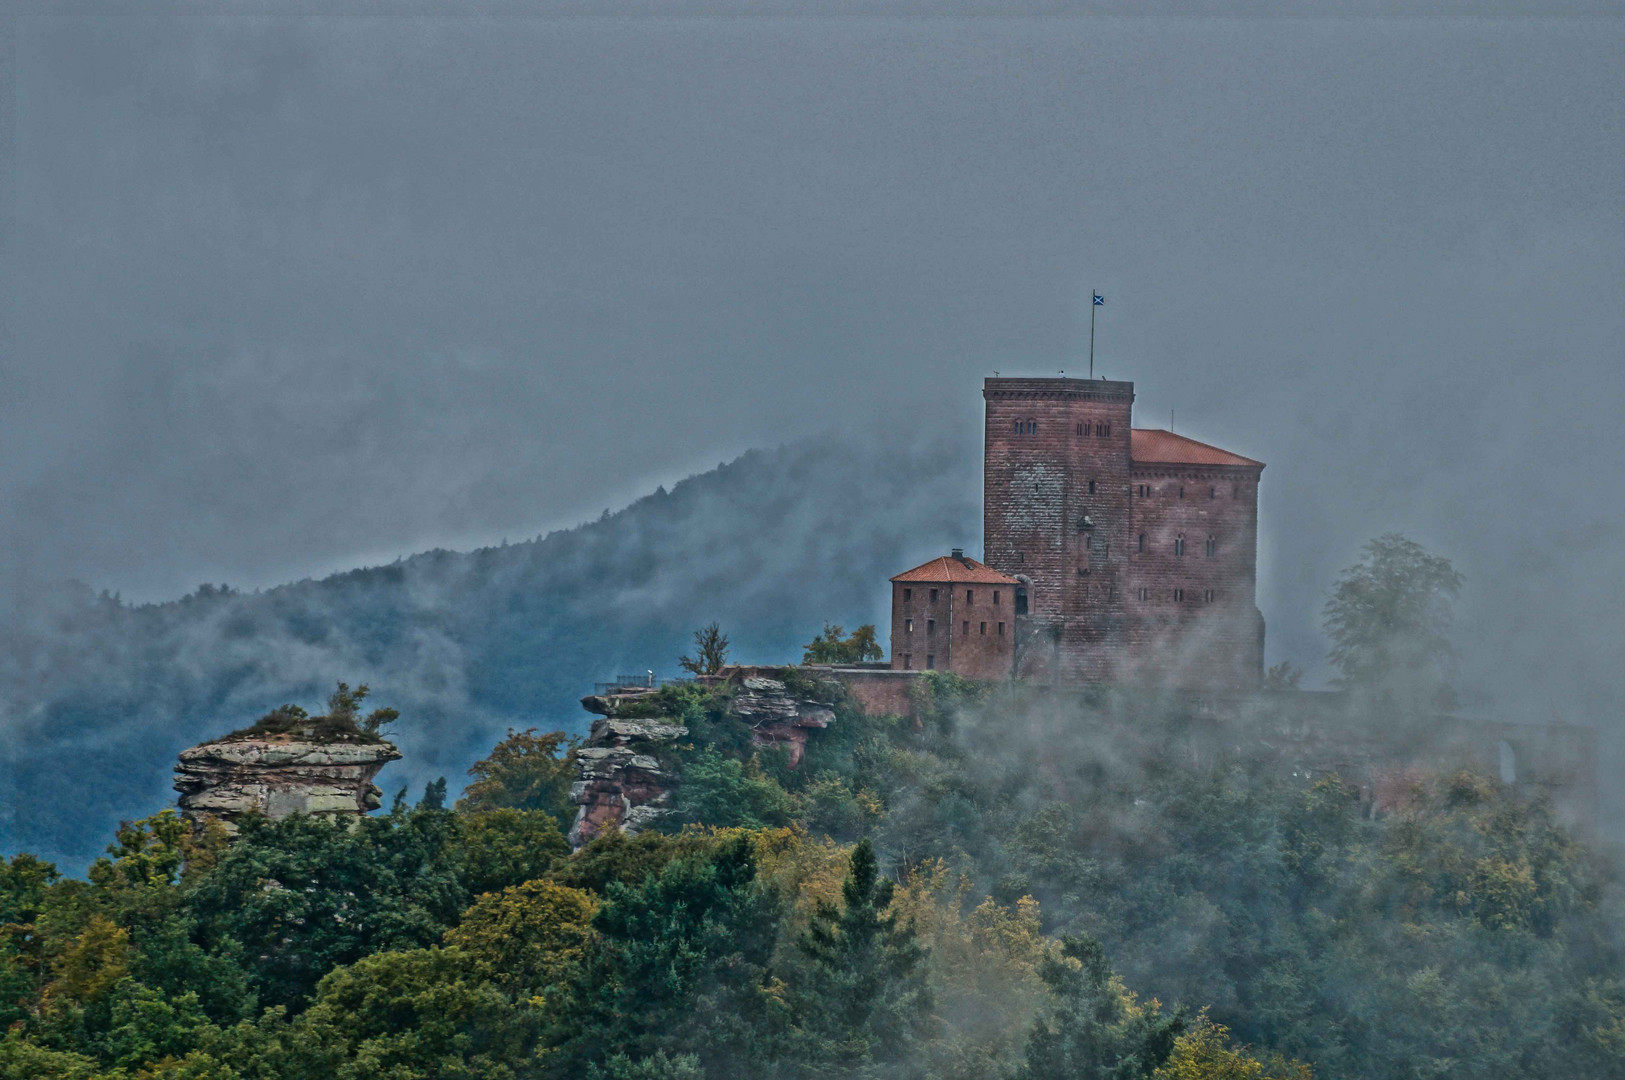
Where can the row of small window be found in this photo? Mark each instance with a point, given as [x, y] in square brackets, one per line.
[930, 661]
[1084, 430]
[1178, 595]
[970, 596]
[931, 628]
[1210, 546]
[1143, 491]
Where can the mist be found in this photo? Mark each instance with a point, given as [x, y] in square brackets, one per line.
[289, 295]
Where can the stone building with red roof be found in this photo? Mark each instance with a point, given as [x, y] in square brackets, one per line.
[1118, 554]
[954, 614]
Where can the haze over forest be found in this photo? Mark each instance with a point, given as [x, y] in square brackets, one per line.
[286, 296]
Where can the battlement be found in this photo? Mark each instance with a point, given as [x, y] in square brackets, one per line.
[1061, 387]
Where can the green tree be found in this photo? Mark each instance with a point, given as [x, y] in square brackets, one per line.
[499, 848]
[723, 791]
[303, 895]
[712, 646]
[866, 1000]
[525, 771]
[1388, 616]
[835, 646]
[684, 967]
[529, 937]
[1095, 1030]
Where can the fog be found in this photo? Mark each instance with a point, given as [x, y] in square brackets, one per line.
[285, 295]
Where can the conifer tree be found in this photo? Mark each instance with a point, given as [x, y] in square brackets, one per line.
[868, 1000]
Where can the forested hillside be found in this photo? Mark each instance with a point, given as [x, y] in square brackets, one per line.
[97, 697]
[1019, 886]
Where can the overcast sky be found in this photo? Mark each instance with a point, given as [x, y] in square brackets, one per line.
[289, 294]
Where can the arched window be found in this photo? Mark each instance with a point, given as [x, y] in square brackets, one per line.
[1211, 547]
[1179, 544]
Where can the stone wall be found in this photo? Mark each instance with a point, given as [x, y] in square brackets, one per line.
[1193, 619]
[1056, 511]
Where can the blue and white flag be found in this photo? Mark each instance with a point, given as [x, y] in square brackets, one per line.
[1099, 300]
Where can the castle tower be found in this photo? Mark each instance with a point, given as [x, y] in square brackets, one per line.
[1057, 516]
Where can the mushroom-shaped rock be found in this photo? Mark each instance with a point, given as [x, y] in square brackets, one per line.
[281, 774]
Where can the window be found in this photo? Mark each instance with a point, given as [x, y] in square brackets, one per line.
[933, 596]
[1140, 544]
[1179, 596]
[1106, 550]
[1143, 490]
[908, 626]
[1235, 491]
[1103, 431]
[964, 631]
[1001, 629]
[930, 627]
[908, 661]
[970, 597]
[995, 598]
[1207, 597]
[1145, 594]
[1091, 487]
[930, 661]
[983, 631]
[1083, 429]
[1181, 491]
[1213, 493]
[908, 594]
[1179, 545]
[1021, 556]
[1211, 547]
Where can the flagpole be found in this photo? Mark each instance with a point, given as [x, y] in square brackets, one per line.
[1092, 306]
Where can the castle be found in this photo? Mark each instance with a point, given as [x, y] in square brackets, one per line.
[1111, 553]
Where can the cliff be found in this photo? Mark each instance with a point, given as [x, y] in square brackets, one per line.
[621, 782]
[277, 774]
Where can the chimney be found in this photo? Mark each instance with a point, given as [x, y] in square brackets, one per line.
[958, 553]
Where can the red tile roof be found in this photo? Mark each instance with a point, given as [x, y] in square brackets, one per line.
[953, 571]
[1154, 445]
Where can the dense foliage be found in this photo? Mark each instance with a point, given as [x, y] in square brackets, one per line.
[1014, 884]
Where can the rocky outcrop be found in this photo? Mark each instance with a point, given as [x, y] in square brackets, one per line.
[621, 782]
[280, 775]
[777, 716]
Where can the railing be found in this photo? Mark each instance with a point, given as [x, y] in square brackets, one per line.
[624, 683]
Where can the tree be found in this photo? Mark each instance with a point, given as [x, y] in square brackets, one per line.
[1204, 1053]
[1283, 676]
[303, 895]
[499, 848]
[1387, 617]
[868, 1000]
[421, 1014]
[832, 646]
[528, 938]
[712, 645]
[1095, 1030]
[525, 771]
[723, 791]
[683, 968]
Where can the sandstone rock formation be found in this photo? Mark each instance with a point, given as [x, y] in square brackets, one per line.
[281, 774]
[620, 784]
[621, 781]
[776, 716]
